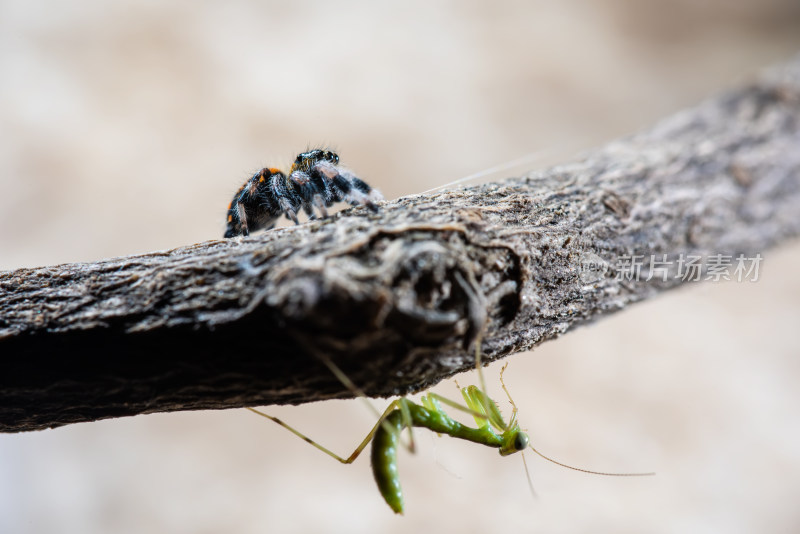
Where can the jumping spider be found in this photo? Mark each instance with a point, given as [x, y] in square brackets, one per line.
[315, 181]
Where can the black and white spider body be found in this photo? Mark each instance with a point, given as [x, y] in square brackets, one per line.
[315, 181]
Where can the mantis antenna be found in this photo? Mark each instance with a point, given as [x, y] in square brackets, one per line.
[530, 445]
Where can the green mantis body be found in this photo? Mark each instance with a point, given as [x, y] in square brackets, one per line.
[430, 415]
[490, 430]
[403, 413]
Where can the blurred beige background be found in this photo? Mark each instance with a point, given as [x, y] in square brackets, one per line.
[126, 127]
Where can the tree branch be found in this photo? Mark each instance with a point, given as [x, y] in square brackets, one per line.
[396, 298]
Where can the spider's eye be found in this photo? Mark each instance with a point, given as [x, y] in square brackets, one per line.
[521, 441]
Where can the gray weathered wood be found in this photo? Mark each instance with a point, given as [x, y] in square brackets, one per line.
[396, 298]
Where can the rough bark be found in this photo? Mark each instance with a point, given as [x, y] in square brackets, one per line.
[397, 298]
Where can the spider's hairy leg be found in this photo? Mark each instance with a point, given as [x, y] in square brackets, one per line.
[285, 196]
[312, 191]
[348, 187]
[288, 209]
[237, 210]
[242, 214]
[255, 205]
[322, 197]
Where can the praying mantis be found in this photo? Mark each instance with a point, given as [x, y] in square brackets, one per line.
[491, 430]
